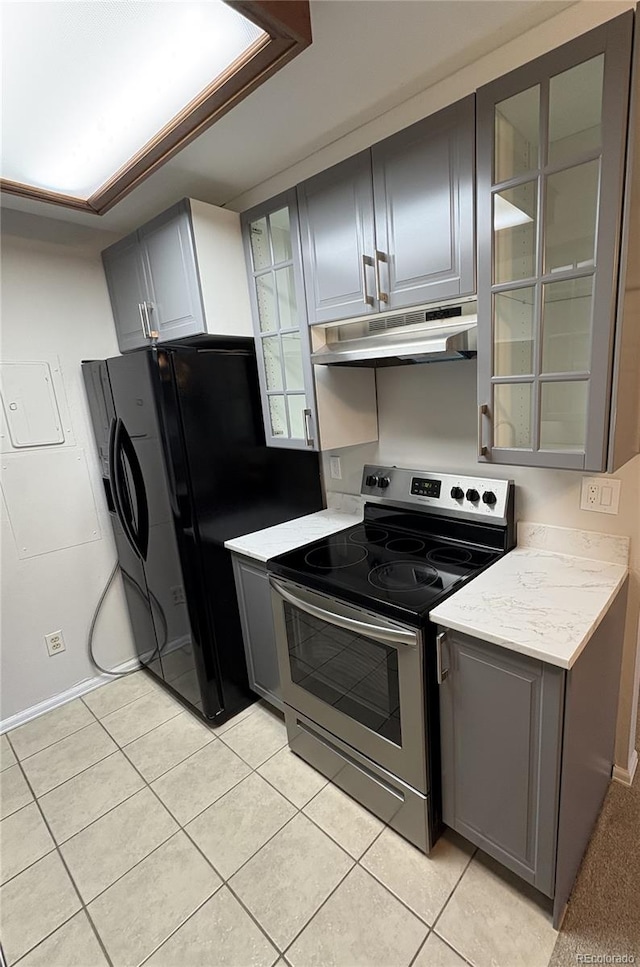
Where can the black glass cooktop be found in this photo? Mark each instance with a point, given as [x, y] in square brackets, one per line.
[396, 563]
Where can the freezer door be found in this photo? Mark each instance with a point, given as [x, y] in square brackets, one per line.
[143, 495]
[139, 602]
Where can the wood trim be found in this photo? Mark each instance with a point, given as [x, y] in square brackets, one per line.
[288, 25]
[42, 194]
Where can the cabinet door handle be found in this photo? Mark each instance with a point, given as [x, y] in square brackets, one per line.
[148, 309]
[441, 673]
[366, 260]
[482, 410]
[308, 439]
[142, 321]
[380, 295]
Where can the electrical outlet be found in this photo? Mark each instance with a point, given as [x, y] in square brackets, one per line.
[177, 594]
[600, 494]
[335, 468]
[55, 643]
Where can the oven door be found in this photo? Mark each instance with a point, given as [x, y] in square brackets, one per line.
[356, 674]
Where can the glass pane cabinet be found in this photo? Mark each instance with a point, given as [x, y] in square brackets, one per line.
[551, 152]
[272, 251]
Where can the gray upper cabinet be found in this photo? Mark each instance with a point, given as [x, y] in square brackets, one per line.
[338, 241]
[169, 257]
[128, 289]
[551, 142]
[301, 410]
[423, 185]
[393, 226]
[272, 252]
[181, 274]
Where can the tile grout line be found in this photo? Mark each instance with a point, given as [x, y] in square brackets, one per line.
[151, 688]
[420, 948]
[50, 744]
[83, 906]
[316, 912]
[446, 904]
[299, 810]
[224, 881]
[253, 770]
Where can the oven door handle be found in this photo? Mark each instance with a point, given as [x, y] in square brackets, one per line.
[394, 636]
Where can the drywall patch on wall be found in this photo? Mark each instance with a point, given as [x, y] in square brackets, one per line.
[39, 489]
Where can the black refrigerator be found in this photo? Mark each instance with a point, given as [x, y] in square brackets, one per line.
[185, 468]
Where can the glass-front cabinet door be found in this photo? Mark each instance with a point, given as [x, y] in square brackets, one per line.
[551, 152]
[272, 251]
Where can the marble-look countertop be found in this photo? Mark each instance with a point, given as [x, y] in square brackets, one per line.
[344, 510]
[537, 602]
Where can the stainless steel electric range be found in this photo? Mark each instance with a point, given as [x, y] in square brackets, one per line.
[358, 656]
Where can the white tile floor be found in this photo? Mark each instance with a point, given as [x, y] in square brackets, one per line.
[132, 833]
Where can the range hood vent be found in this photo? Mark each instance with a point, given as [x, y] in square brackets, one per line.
[419, 336]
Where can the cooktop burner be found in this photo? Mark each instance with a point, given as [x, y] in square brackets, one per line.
[450, 555]
[328, 557]
[368, 535]
[402, 576]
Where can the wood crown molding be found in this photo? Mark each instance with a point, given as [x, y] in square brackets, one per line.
[288, 25]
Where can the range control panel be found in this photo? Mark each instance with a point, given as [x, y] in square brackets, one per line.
[454, 495]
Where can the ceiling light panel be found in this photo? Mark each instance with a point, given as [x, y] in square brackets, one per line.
[86, 84]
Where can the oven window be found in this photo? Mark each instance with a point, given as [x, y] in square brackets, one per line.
[353, 673]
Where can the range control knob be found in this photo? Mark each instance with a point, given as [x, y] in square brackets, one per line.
[457, 493]
[383, 482]
[371, 481]
[489, 497]
[473, 495]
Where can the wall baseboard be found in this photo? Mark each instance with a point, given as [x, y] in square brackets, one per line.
[88, 685]
[625, 776]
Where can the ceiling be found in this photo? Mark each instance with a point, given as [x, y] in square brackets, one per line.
[367, 56]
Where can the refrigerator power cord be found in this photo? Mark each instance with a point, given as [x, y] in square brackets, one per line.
[96, 614]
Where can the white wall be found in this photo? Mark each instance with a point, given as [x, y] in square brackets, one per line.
[55, 306]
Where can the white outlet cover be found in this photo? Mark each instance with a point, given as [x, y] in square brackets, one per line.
[55, 643]
[335, 468]
[600, 495]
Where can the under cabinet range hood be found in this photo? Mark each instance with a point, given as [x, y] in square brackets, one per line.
[420, 336]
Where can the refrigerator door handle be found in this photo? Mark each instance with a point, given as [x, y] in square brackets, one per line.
[117, 486]
[124, 447]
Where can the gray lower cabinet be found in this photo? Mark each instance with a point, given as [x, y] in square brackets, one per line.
[527, 750]
[393, 226]
[256, 618]
[181, 274]
[501, 721]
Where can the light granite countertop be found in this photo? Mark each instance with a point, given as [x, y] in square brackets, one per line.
[344, 510]
[540, 602]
